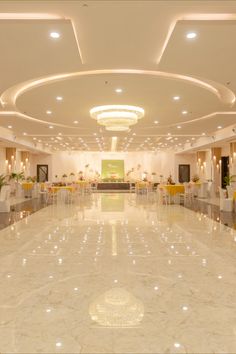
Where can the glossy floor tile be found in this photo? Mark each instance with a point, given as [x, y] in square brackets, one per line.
[117, 273]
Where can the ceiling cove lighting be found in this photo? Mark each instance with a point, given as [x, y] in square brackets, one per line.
[117, 117]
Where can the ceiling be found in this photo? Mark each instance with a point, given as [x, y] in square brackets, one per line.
[137, 46]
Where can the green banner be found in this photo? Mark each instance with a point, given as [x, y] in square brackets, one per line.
[113, 170]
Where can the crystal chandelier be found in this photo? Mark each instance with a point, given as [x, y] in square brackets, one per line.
[117, 117]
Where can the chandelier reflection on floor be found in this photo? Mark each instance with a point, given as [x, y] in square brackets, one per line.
[117, 308]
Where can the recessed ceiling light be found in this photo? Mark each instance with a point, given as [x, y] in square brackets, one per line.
[176, 98]
[59, 98]
[55, 35]
[24, 133]
[203, 133]
[118, 90]
[50, 127]
[9, 126]
[191, 35]
[219, 127]
[49, 112]
[178, 126]
[184, 112]
[75, 122]
[156, 122]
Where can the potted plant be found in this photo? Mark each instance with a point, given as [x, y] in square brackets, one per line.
[16, 176]
[229, 180]
[15, 179]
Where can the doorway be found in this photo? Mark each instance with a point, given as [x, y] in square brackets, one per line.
[184, 173]
[42, 173]
[224, 170]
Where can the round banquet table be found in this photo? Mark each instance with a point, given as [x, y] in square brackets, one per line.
[27, 188]
[55, 189]
[174, 189]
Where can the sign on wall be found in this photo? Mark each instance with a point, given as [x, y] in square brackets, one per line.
[113, 170]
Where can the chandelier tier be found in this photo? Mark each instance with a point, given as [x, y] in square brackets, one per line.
[117, 117]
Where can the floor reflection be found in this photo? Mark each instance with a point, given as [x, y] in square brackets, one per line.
[117, 308]
[117, 274]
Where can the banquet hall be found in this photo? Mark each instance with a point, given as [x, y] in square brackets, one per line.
[117, 176]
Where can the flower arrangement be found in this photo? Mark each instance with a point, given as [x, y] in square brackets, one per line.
[31, 179]
[195, 178]
[170, 180]
[72, 174]
[64, 176]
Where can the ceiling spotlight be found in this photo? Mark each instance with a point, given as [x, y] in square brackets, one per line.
[178, 127]
[50, 127]
[49, 112]
[9, 126]
[184, 112]
[176, 98]
[219, 127]
[75, 122]
[119, 90]
[55, 35]
[191, 35]
[203, 134]
[156, 122]
[59, 98]
[24, 133]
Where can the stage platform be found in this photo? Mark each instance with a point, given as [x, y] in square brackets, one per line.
[110, 186]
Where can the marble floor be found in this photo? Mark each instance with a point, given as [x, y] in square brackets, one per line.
[117, 273]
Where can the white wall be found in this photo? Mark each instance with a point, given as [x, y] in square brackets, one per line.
[163, 163]
[67, 162]
[41, 159]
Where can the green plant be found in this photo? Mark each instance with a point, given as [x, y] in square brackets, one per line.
[17, 176]
[3, 181]
[229, 179]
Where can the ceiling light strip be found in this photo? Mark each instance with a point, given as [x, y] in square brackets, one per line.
[10, 96]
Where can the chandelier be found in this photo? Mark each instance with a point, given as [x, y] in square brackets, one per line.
[117, 117]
